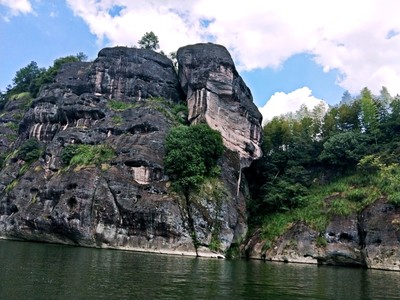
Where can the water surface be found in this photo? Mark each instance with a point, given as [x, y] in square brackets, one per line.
[46, 271]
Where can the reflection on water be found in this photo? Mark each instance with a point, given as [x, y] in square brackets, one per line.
[43, 271]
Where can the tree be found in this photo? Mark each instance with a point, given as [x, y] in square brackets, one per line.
[191, 155]
[346, 98]
[345, 149]
[81, 56]
[391, 125]
[24, 78]
[31, 78]
[172, 56]
[149, 41]
[30, 150]
[385, 97]
[369, 114]
[348, 116]
[341, 118]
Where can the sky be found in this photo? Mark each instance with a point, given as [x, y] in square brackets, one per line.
[289, 52]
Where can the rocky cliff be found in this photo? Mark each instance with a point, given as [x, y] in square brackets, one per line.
[369, 239]
[124, 101]
[216, 94]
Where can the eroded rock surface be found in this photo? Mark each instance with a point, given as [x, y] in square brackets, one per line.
[380, 229]
[370, 239]
[217, 95]
[124, 100]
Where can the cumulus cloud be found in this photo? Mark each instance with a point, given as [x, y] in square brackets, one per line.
[359, 39]
[16, 7]
[281, 103]
[124, 22]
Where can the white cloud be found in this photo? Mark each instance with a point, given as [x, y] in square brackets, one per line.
[358, 38]
[170, 20]
[281, 103]
[16, 7]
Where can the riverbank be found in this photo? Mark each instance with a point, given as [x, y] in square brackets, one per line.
[201, 252]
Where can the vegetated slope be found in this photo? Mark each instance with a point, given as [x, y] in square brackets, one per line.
[326, 190]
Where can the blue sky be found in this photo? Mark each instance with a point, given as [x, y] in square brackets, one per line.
[291, 52]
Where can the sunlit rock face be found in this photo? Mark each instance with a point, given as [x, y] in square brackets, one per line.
[128, 201]
[128, 72]
[217, 95]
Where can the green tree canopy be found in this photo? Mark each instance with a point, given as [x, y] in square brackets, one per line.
[345, 149]
[31, 78]
[25, 77]
[191, 155]
[30, 150]
[149, 41]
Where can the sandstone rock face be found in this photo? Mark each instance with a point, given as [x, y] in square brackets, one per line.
[297, 245]
[370, 239]
[343, 242]
[380, 230]
[216, 94]
[123, 100]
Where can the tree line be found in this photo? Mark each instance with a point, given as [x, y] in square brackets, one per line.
[314, 147]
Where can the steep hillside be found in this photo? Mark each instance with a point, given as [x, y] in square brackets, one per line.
[327, 189]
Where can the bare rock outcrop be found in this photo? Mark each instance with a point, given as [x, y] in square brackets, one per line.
[380, 230]
[124, 101]
[368, 239]
[217, 95]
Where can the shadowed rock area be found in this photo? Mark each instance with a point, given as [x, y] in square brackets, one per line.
[124, 101]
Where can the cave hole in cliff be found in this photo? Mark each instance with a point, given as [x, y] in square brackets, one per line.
[378, 241]
[136, 163]
[13, 209]
[331, 234]
[142, 128]
[72, 202]
[72, 186]
[345, 237]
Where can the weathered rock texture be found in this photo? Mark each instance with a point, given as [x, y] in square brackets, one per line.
[370, 239]
[127, 202]
[217, 94]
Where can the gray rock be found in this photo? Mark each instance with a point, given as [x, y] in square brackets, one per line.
[126, 202]
[217, 95]
[343, 242]
[370, 239]
[380, 230]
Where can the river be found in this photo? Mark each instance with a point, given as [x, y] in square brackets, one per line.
[47, 271]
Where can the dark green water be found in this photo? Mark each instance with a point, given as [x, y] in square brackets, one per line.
[43, 271]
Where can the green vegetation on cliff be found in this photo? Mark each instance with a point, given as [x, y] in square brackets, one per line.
[191, 155]
[30, 78]
[85, 155]
[317, 165]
